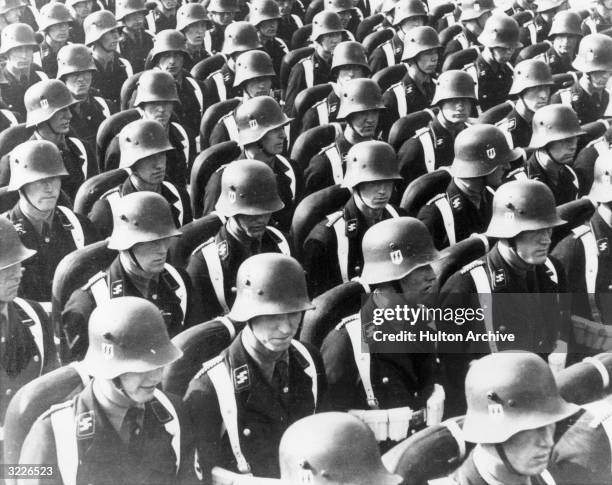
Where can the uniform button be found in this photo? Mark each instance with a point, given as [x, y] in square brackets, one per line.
[385, 380]
[89, 118]
[246, 432]
[154, 297]
[36, 358]
[137, 431]
[540, 343]
[285, 390]
[47, 240]
[502, 328]
[9, 392]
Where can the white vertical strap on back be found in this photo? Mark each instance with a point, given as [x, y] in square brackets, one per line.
[391, 210]
[429, 154]
[308, 66]
[208, 41]
[178, 204]
[310, 371]
[322, 108]
[181, 291]
[215, 271]
[590, 23]
[566, 97]
[483, 288]
[217, 78]
[601, 146]
[36, 329]
[575, 180]
[591, 265]
[455, 430]
[547, 478]
[335, 161]
[462, 39]
[8, 114]
[387, 48]
[77, 230]
[399, 90]
[99, 290]
[63, 423]
[448, 218]
[184, 141]
[362, 360]
[289, 173]
[601, 368]
[339, 226]
[602, 411]
[552, 270]
[83, 155]
[472, 71]
[297, 20]
[533, 31]
[173, 427]
[283, 245]
[127, 66]
[449, 18]
[196, 91]
[230, 125]
[151, 23]
[103, 106]
[229, 325]
[222, 382]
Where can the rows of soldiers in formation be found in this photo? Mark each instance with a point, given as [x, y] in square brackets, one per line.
[238, 186]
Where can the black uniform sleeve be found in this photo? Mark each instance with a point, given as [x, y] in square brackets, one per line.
[74, 326]
[204, 304]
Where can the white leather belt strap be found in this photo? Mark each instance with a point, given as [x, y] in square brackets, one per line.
[77, 230]
[178, 204]
[310, 370]
[289, 173]
[184, 141]
[173, 427]
[103, 106]
[283, 245]
[335, 162]
[230, 125]
[387, 48]
[63, 423]
[399, 90]
[215, 271]
[429, 153]
[448, 218]
[322, 108]
[35, 329]
[362, 359]
[308, 66]
[483, 288]
[197, 92]
[591, 265]
[339, 226]
[181, 291]
[83, 154]
[217, 78]
[229, 325]
[601, 368]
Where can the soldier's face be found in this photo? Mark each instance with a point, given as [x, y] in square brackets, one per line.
[536, 97]
[268, 28]
[273, 142]
[565, 44]
[563, 151]
[139, 386]
[59, 32]
[79, 83]
[43, 194]
[151, 169]
[346, 73]
[9, 282]
[345, 17]
[529, 451]
[533, 246]
[254, 226]
[222, 18]
[195, 33]
[20, 57]
[109, 41]
[456, 110]
[152, 255]
[275, 332]
[285, 6]
[599, 79]
[13, 15]
[376, 195]
[159, 111]
[496, 178]
[260, 86]
[83, 9]
[60, 121]
[330, 41]
[171, 62]
[501, 55]
[427, 61]
[135, 21]
[365, 122]
[420, 285]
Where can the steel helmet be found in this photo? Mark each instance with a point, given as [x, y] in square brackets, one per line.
[141, 217]
[127, 334]
[418, 40]
[257, 116]
[248, 187]
[154, 86]
[262, 10]
[8, 5]
[12, 250]
[479, 150]
[140, 139]
[269, 284]
[53, 13]
[223, 6]
[74, 58]
[545, 5]
[522, 205]
[601, 190]
[45, 98]
[393, 248]
[359, 95]
[169, 40]
[332, 448]
[97, 24]
[240, 37]
[594, 54]
[370, 161]
[338, 5]
[529, 74]
[408, 10]
[509, 392]
[326, 22]
[17, 35]
[553, 123]
[474, 9]
[251, 65]
[500, 30]
[128, 7]
[454, 84]
[34, 160]
[349, 53]
[189, 14]
[566, 23]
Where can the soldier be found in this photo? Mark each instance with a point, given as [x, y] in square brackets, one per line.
[289, 21]
[261, 135]
[406, 16]
[163, 16]
[482, 156]
[265, 16]
[120, 415]
[332, 444]
[52, 231]
[332, 250]
[102, 36]
[193, 22]
[589, 98]
[80, 10]
[18, 44]
[349, 15]
[222, 13]
[11, 12]
[513, 406]
[75, 69]
[249, 198]
[327, 33]
[416, 89]
[135, 42]
[565, 34]
[143, 145]
[545, 13]
[532, 86]
[474, 15]
[600, 17]
[555, 138]
[398, 255]
[515, 286]
[361, 104]
[27, 343]
[268, 379]
[54, 22]
[142, 229]
[433, 145]
[239, 37]
[493, 71]
[169, 54]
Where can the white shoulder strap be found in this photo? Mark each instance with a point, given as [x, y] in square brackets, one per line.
[547, 478]
[362, 359]
[127, 66]
[215, 271]
[461, 38]
[289, 173]
[282, 243]
[77, 230]
[601, 145]
[575, 180]
[103, 106]
[217, 77]
[208, 41]
[178, 204]
[230, 125]
[483, 288]
[181, 291]
[229, 325]
[448, 218]
[591, 24]
[335, 161]
[196, 91]
[591, 264]
[99, 289]
[42, 75]
[533, 31]
[310, 371]
[429, 154]
[184, 141]
[504, 126]
[400, 95]
[308, 66]
[473, 71]
[387, 48]
[322, 108]
[339, 225]
[36, 329]
[8, 114]
[79, 144]
[392, 211]
[63, 423]
[566, 97]
[173, 427]
[297, 20]
[552, 271]
[602, 412]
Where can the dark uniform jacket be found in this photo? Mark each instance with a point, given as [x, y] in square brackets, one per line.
[103, 458]
[48, 60]
[232, 254]
[82, 302]
[189, 110]
[102, 217]
[468, 219]
[77, 33]
[585, 162]
[39, 269]
[194, 57]
[559, 64]
[567, 187]
[135, 48]
[455, 45]
[595, 23]
[311, 118]
[158, 21]
[87, 117]
[211, 91]
[214, 39]
[276, 49]
[518, 127]
[108, 81]
[494, 82]
[297, 79]
[379, 58]
[14, 90]
[587, 106]
[21, 358]
[287, 25]
[263, 412]
[318, 173]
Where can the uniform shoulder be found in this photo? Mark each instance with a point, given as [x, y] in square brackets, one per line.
[206, 243]
[346, 320]
[94, 279]
[469, 267]
[208, 365]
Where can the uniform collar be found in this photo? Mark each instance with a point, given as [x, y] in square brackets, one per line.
[263, 357]
[114, 404]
